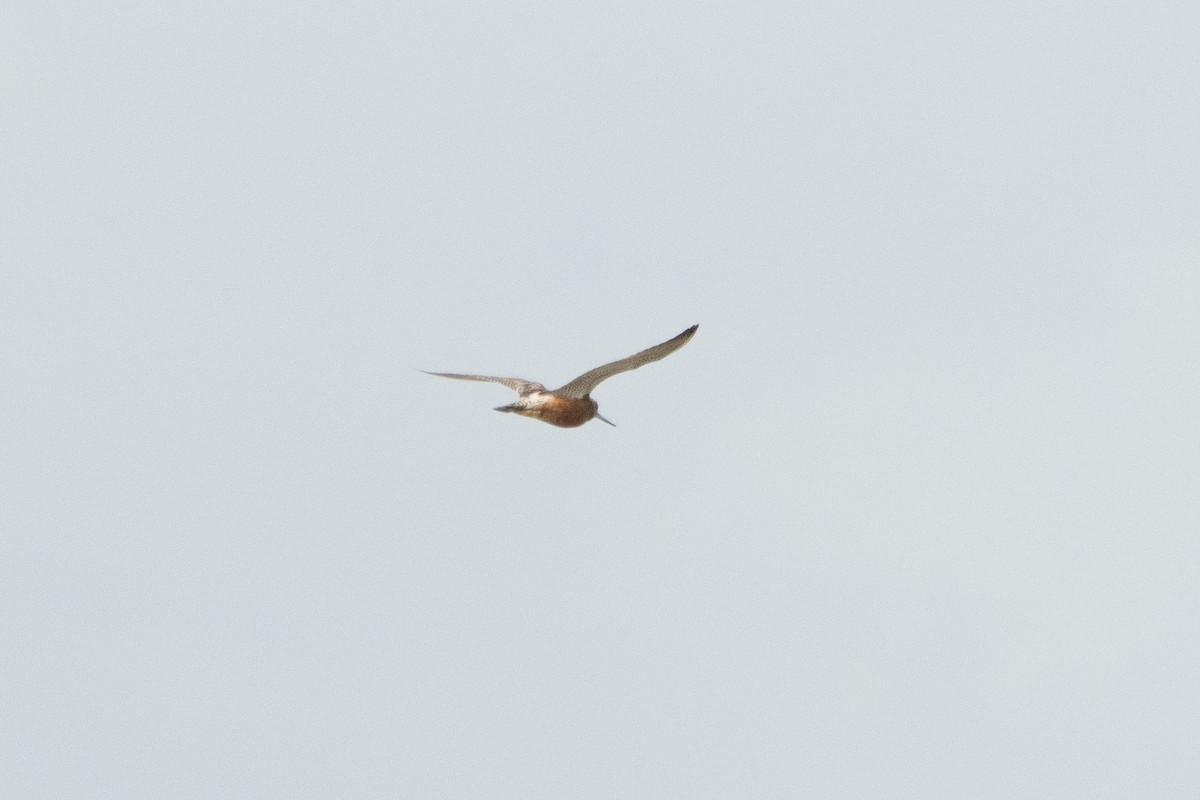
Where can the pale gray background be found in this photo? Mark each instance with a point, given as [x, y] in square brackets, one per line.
[914, 515]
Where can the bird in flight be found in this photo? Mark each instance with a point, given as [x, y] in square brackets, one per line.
[571, 405]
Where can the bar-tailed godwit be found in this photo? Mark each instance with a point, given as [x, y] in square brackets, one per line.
[571, 405]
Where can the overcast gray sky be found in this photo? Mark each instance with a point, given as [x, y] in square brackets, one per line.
[915, 514]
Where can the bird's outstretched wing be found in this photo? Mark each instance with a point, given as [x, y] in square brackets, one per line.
[583, 385]
[518, 385]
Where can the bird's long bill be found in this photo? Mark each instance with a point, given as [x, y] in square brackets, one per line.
[602, 419]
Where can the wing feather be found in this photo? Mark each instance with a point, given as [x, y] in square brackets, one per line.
[518, 385]
[585, 383]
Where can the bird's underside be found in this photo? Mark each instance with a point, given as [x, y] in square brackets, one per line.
[570, 405]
